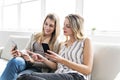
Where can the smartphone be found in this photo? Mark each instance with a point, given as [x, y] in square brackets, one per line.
[14, 45]
[45, 47]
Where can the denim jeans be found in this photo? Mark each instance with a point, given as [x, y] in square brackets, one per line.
[51, 76]
[13, 68]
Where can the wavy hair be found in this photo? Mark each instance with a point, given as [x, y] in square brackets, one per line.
[55, 34]
[76, 23]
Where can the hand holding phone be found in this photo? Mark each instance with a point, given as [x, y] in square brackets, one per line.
[14, 50]
[45, 47]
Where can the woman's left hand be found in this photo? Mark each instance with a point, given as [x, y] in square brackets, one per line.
[54, 56]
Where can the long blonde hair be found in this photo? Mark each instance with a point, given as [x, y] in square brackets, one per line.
[55, 34]
[76, 23]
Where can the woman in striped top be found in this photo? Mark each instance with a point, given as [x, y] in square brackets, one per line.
[75, 58]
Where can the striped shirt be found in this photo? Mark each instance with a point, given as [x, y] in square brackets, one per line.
[73, 53]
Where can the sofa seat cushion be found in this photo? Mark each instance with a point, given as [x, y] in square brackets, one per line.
[2, 65]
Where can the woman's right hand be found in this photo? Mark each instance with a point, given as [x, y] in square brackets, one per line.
[15, 53]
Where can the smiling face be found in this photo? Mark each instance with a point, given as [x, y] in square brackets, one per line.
[49, 27]
[67, 28]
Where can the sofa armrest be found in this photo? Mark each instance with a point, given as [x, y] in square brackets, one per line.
[117, 77]
[106, 63]
[1, 49]
[21, 42]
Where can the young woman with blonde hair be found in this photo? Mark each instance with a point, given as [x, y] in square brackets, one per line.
[75, 59]
[24, 63]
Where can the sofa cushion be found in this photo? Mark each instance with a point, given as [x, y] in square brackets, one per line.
[2, 65]
[21, 42]
[106, 61]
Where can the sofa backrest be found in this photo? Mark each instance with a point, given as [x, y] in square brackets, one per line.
[106, 61]
[21, 42]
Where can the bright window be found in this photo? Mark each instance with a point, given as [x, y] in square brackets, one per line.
[10, 16]
[0, 15]
[9, 2]
[28, 15]
[104, 15]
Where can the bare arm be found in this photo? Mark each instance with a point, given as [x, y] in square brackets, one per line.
[40, 58]
[51, 64]
[84, 68]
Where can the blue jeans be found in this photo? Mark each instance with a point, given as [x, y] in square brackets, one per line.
[13, 68]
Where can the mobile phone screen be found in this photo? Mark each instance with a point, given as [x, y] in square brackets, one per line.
[14, 45]
[45, 47]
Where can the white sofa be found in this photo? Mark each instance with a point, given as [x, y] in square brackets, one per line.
[106, 58]
[5, 55]
[106, 61]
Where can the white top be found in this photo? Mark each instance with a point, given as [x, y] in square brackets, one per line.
[73, 53]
